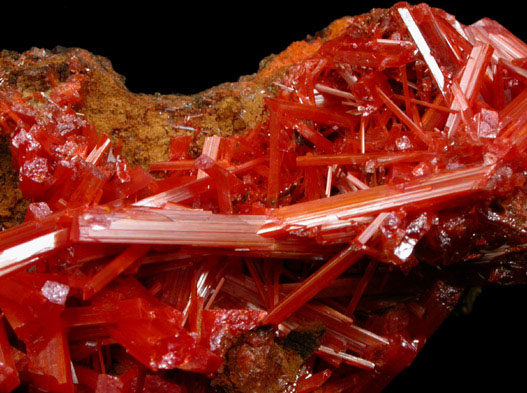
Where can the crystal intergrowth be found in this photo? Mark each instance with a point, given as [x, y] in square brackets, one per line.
[399, 142]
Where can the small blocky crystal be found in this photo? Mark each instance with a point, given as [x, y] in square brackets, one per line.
[9, 378]
[285, 257]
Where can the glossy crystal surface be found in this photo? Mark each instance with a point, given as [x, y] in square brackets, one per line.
[398, 144]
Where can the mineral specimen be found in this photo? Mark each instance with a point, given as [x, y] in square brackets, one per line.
[360, 181]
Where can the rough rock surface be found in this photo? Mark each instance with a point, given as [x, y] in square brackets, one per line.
[145, 123]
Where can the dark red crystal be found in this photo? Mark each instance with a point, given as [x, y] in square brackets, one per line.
[399, 142]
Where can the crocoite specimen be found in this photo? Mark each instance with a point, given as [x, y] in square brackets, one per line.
[392, 145]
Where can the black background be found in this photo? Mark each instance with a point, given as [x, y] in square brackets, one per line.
[187, 47]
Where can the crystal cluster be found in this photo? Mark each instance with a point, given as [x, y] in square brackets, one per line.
[398, 145]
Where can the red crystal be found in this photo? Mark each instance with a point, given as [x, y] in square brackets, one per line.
[156, 384]
[9, 379]
[221, 326]
[391, 144]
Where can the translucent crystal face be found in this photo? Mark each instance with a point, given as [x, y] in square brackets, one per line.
[55, 292]
[396, 140]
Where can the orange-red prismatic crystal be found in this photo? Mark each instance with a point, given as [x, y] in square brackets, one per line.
[386, 147]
